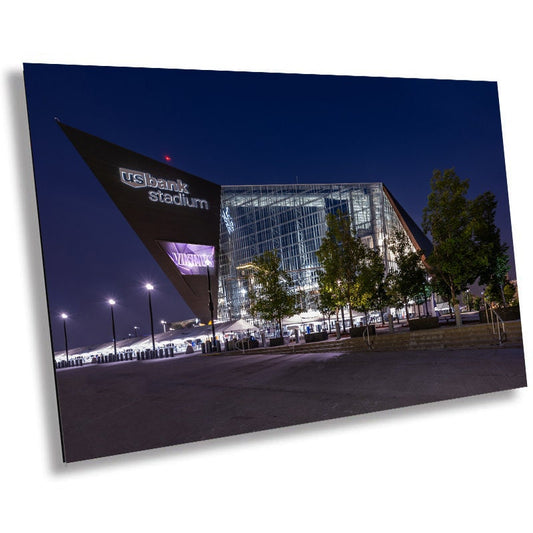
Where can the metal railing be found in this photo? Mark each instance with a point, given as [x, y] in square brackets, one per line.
[497, 324]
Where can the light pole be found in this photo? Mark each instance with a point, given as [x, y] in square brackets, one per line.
[111, 303]
[485, 306]
[136, 331]
[64, 316]
[164, 324]
[149, 287]
[211, 307]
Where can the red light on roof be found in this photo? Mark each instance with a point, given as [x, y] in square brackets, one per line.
[168, 158]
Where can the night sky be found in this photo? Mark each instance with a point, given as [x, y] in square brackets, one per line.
[232, 128]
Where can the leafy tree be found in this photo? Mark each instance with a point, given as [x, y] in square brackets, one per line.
[455, 257]
[423, 295]
[476, 303]
[438, 286]
[341, 256]
[466, 241]
[502, 295]
[408, 279]
[385, 297]
[273, 296]
[326, 301]
[492, 254]
[369, 287]
[511, 293]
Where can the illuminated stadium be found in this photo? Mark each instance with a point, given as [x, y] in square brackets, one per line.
[198, 230]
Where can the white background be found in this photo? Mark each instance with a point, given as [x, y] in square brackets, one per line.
[462, 465]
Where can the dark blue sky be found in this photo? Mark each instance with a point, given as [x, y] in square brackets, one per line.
[233, 128]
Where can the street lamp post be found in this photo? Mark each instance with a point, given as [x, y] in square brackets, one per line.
[111, 303]
[485, 306]
[164, 324]
[211, 307]
[64, 316]
[149, 287]
[136, 330]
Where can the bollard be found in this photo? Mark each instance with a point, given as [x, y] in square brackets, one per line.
[219, 349]
[203, 347]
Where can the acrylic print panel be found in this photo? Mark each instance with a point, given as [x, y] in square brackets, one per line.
[223, 250]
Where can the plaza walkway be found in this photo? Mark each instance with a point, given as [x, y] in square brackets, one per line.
[125, 407]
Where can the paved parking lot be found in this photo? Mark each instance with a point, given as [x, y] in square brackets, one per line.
[124, 407]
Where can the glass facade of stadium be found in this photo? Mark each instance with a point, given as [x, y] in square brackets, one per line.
[292, 220]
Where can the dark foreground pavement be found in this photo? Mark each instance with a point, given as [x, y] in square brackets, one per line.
[124, 407]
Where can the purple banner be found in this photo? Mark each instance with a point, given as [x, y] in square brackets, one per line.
[190, 259]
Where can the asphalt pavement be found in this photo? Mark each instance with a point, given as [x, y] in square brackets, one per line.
[130, 406]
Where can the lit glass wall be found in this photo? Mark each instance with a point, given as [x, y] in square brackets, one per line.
[292, 220]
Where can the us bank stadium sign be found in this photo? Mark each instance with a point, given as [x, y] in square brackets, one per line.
[172, 192]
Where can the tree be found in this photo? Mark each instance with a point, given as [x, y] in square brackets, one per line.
[503, 294]
[369, 290]
[438, 286]
[341, 256]
[423, 295]
[408, 279]
[273, 296]
[326, 300]
[455, 257]
[466, 241]
[493, 258]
